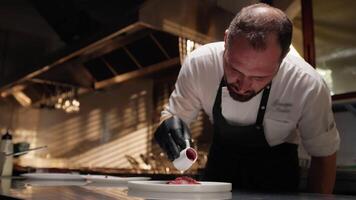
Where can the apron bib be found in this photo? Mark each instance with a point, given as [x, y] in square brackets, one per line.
[242, 156]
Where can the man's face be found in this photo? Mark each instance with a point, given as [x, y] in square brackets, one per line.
[247, 71]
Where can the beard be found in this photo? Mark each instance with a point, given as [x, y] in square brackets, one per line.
[241, 97]
[248, 95]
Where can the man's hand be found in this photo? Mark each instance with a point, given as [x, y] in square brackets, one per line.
[322, 172]
[172, 136]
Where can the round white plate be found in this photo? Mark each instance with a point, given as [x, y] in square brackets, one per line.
[53, 176]
[180, 195]
[106, 184]
[162, 186]
[111, 179]
[38, 182]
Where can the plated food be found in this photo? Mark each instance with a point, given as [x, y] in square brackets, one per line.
[183, 180]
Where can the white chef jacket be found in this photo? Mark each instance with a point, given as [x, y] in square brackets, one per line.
[298, 108]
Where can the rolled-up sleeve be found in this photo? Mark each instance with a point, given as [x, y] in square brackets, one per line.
[317, 127]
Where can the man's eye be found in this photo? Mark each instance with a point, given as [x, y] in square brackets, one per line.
[259, 78]
[237, 71]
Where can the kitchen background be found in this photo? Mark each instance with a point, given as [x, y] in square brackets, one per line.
[116, 64]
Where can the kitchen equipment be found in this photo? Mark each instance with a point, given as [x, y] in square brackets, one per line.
[5, 167]
[6, 147]
[186, 159]
[21, 146]
[23, 152]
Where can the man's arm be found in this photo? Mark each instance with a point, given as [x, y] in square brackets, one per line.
[322, 173]
[184, 102]
[320, 136]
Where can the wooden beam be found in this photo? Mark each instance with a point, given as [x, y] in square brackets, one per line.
[138, 73]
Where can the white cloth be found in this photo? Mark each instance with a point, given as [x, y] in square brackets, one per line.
[298, 109]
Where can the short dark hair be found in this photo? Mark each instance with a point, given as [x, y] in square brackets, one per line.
[256, 26]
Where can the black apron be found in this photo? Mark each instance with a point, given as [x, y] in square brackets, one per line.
[242, 156]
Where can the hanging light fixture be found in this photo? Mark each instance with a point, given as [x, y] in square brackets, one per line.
[68, 101]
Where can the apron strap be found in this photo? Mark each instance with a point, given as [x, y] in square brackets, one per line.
[263, 106]
[217, 113]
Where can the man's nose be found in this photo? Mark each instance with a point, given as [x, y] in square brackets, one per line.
[244, 84]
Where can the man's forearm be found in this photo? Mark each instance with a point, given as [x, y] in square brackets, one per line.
[322, 173]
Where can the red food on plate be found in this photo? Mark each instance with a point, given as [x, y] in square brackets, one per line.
[183, 180]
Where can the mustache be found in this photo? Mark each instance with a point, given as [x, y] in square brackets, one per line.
[249, 94]
[233, 87]
[240, 97]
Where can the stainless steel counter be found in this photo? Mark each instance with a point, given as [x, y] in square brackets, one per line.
[42, 190]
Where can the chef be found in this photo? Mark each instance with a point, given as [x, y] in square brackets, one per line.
[262, 100]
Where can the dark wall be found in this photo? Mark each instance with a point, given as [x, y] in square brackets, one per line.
[25, 37]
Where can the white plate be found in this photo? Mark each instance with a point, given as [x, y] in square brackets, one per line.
[42, 182]
[180, 195]
[112, 179]
[106, 184]
[53, 176]
[162, 186]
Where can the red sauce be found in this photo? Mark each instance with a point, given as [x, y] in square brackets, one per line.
[191, 154]
[183, 180]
